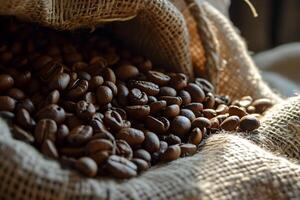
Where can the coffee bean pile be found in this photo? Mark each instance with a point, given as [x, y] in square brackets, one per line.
[98, 108]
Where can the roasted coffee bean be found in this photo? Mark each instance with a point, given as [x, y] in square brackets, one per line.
[120, 167]
[6, 82]
[85, 110]
[123, 149]
[195, 107]
[26, 104]
[109, 75]
[48, 148]
[53, 112]
[41, 61]
[59, 81]
[180, 126]
[68, 106]
[98, 126]
[249, 123]
[250, 109]
[122, 95]
[97, 145]
[188, 114]
[79, 66]
[87, 166]
[151, 142]
[142, 154]
[16, 94]
[171, 111]
[195, 136]
[84, 75]
[196, 92]
[157, 106]
[62, 134]
[131, 136]
[158, 78]
[158, 125]
[185, 96]
[148, 87]
[100, 157]
[172, 139]
[178, 81]
[205, 85]
[222, 117]
[6, 115]
[95, 82]
[209, 113]
[20, 134]
[151, 99]
[125, 72]
[7, 103]
[141, 164]
[104, 95]
[45, 129]
[138, 112]
[201, 122]
[112, 86]
[75, 152]
[80, 135]
[261, 105]
[173, 152]
[222, 109]
[167, 91]
[113, 120]
[188, 149]
[145, 66]
[137, 97]
[245, 101]
[24, 119]
[235, 110]
[171, 100]
[51, 70]
[209, 101]
[214, 123]
[230, 123]
[79, 88]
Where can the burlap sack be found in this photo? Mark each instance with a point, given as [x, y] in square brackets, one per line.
[176, 34]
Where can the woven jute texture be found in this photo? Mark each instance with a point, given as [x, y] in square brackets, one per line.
[177, 34]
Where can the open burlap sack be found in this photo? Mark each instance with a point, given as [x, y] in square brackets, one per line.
[175, 34]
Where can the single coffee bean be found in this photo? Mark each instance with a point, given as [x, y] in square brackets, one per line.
[112, 86]
[158, 78]
[201, 122]
[185, 96]
[157, 106]
[209, 113]
[151, 99]
[235, 110]
[145, 66]
[84, 75]
[74, 152]
[196, 108]
[87, 166]
[222, 117]
[79, 88]
[138, 112]
[131, 136]
[62, 134]
[261, 105]
[109, 75]
[104, 95]
[171, 100]
[142, 154]
[97, 145]
[24, 119]
[209, 101]
[16, 93]
[53, 112]
[151, 142]
[195, 136]
[98, 126]
[178, 81]
[196, 92]
[245, 101]
[27, 104]
[141, 164]
[6, 82]
[68, 106]
[214, 123]
[222, 109]
[172, 139]
[73, 80]
[125, 72]
[100, 157]
[50, 71]
[148, 87]
[249, 123]
[158, 125]
[137, 97]
[48, 148]
[122, 95]
[188, 149]
[53, 97]
[85, 110]
[123, 149]
[120, 167]
[230, 123]
[180, 126]
[45, 129]
[80, 135]
[6, 115]
[20, 134]
[95, 82]
[188, 114]
[167, 91]
[7, 103]
[250, 109]
[113, 120]
[171, 111]
[59, 81]
[205, 85]
[173, 152]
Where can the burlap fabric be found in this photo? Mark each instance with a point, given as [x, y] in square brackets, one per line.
[259, 165]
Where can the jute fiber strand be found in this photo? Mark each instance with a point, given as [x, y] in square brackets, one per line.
[178, 34]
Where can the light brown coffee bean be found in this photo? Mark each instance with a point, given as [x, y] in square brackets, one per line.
[48, 148]
[158, 125]
[214, 123]
[87, 166]
[245, 101]
[261, 105]
[109, 75]
[201, 122]
[222, 109]
[230, 123]
[45, 129]
[209, 113]
[125, 72]
[195, 136]
[120, 167]
[172, 153]
[249, 123]
[7, 103]
[131, 136]
[250, 109]
[180, 126]
[188, 149]
[235, 110]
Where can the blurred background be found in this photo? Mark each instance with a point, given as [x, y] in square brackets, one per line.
[273, 38]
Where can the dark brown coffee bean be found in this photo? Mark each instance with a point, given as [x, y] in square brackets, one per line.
[6, 115]
[205, 85]
[109, 75]
[53, 97]
[142, 154]
[104, 95]
[45, 129]
[121, 112]
[41, 61]
[84, 75]
[141, 164]
[98, 126]
[16, 93]
[51, 70]
[235, 110]
[185, 96]
[113, 120]
[122, 95]
[188, 114]
[62, 134]
[120, 167]
[79, 66]
[80, 135]
[148, 87]
[222, 109]
[180, 126]
[151, 142]
[172, 153]
[157, 106]
[171, 100]
[53, 112]
[261, 105]
[48, 148]
[59, 81]
[137, 97]
[87, 166]
[100, 157]
[26, 104]
[201, 122]
[112, 86]
[138, 112]
[195, 107]
[158, 78]
[172, 139]
[209, 113]
[125, 72]
[95, 82]
[151, 99]
[7, 103]
[178, 81]
[24, 119]
[196, 92]
[123, 149]
[20, 134]
[222, 117]
[75, 152]
[167, 91]
[97, 145]
[230, 123]
[188, 149]
[158, 125]
[68, 106]
[85, 110]
[131, 136]
[171, 111]
[209, 101]
[79, 88]
[249, 123]
[195, 136]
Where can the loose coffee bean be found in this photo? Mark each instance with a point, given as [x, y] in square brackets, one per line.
[95, 82]
[98, 126]
[185, 96]
[7, 103]
[230, 123]
[16, 94]
[195, 136]
[6, 115]
[205, 85]
[167, 91]
[97, 145]
[20, 134]
[171, 111]
[188, 114]
[245, 101]
[79, 88]
[172, 139]
[48, 148]
[80, 135]
[52, 98]
[125, 72]
[222, 109]
[209, 113]
[53, 112]
[235, 110]
[196, 92]
[178, 81]
[141, 164]
[214, 123]
[131, 136]
[84, 75]
[137, 97]
[113, 120]
[6, 82]
[120, 167]
[100, 157]
[45, 129]
[157, 106]
[109, 75]
[221, 118]
[201, 122]
[85, 110]
[112, 86]
[180, 126]
[27, 104]
[158, 125]
[195, 107]
[261, 105]
[151, 142]
[74, 152]
[104, 95]
[171, 100]
[188, 149]
[158, 78]
[172, 153]
[87, 166]
[151, 99]
[249, 123]
[24, 119]
[209, 101]
[138, 112]
[122, 95]
[142, 154]
[123, 149]
[250, 109]
[148, 87]
[62, 134]
[59, 81]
